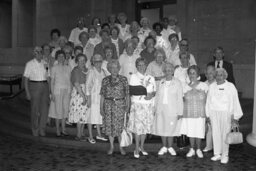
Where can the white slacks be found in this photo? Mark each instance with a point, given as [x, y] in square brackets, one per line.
[221, 126]
[209, 143]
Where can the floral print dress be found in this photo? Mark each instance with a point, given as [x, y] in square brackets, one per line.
[114, 110]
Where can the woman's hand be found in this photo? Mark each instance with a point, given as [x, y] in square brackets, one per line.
[84, 101]
[208, 121]
[52, 97]
[150, 96]
[89, 102]
[180, 116]
[102, 113]
[234, 123]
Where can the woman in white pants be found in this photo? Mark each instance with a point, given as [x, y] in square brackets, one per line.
[210, 75]
[224, 110]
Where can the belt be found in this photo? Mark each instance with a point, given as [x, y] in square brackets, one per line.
[44, 81]
[114, 99]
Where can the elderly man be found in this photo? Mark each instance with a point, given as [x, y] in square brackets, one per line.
[37, 91]
[219, 62]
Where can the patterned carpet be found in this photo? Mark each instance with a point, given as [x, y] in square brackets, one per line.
[19, 154]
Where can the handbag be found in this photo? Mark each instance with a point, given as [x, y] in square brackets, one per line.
[182, 141]
[234, 137]
[137, 90]
[126, 137]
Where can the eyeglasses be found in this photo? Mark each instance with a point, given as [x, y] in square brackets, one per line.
[97, 61]
[183, 44]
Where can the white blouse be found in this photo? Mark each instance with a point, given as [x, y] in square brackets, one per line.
[223, 98]
[145, 80]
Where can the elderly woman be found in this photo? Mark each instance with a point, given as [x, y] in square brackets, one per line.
[181, 72]
[193, 121]
[224, 110]
[93, 86]
[94, 37]
[96, 22]
[88, 48]
[105, 41]
[149, 51]
[155, 68]
[169, 108]
[114, 32]
[142, 107]
[75, 32]
[123, 26]
[210, 75]
[127, 60]
[55, 34]
[60, 90]
[115, 102]
[78, 109]
[112, 20]
[172, 52]
[145, 28]
[108, 57]
[62, 42]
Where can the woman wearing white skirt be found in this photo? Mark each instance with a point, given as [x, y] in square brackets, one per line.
[142, 107]
[224, 110]
[93, 86]
[169, 108]
[60, 91]
[193, 121]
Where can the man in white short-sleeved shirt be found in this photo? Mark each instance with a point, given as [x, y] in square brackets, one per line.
[37, 91]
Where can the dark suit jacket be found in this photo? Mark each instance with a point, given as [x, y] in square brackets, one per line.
[229, 68]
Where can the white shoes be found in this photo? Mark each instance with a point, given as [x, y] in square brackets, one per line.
[216, 157]
[172, 151]
[199, 153]
[162, 151]
[144, 153]
[224, 159]
[206, 149]
[191, 152]
[136, 155]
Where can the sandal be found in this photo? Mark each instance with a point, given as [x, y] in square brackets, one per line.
[91, 140]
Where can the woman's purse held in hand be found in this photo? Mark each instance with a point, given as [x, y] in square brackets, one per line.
[126, 137]
[234, 136]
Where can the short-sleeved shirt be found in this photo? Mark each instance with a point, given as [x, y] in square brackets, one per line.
[74, 35]
[78, 76]
[147, 55]
[36, 71]
[117, 88]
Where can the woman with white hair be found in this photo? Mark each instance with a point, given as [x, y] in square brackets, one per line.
[224, 110]
[123, 26]
[145, 28]
[142, 106]
[169, 109]
[62, 42]
[155, 68]
[114, 103]
[93, 86]
[127, 60]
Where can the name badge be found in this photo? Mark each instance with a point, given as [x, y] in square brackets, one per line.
[221, 88]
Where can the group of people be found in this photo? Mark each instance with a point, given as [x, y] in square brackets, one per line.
[112, 72]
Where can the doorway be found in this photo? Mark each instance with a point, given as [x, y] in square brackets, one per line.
[155, 10]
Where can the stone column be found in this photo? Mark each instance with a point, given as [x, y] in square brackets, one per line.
[251, 138]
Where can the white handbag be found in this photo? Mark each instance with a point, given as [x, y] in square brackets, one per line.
[234, 137]
[126, 137]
